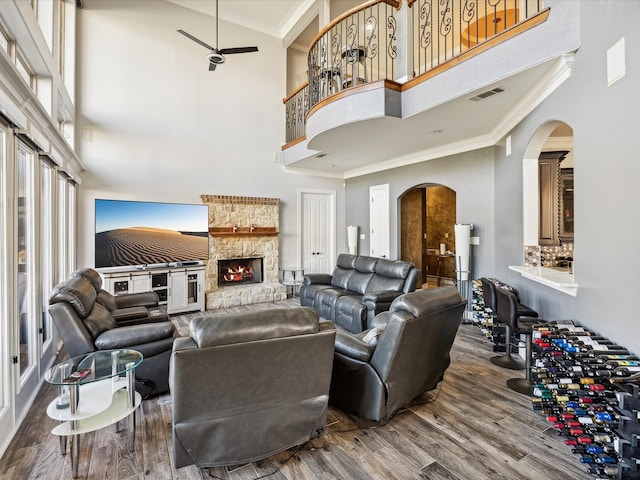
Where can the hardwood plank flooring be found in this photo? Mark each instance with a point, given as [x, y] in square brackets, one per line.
[470, 428]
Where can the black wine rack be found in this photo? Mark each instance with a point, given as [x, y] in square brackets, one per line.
[588, 389]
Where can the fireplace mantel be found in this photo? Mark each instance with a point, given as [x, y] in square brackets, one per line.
[242, 231]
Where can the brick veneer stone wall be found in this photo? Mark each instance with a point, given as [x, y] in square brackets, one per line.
[226, 211]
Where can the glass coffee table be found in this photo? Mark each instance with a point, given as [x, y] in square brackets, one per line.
[95, 390]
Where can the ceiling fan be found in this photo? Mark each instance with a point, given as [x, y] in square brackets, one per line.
[216, 56]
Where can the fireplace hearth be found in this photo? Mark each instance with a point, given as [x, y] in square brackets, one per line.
[240, 271]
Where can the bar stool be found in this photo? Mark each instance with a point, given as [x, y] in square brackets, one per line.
[490, 300]
[508, 314]
[354, 55]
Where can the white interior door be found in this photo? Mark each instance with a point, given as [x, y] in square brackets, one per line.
[379, 221]
[317, 231]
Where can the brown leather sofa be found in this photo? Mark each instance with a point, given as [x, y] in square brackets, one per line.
[85, 326]
[246, 386]
[359, 288]
[379, 371]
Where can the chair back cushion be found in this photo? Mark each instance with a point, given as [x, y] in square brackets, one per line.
[226, 329]
[77, 292]
[107, 300]
[90, 274]
[99, 320]
[507, 307]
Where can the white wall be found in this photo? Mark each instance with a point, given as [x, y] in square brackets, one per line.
[156, 125]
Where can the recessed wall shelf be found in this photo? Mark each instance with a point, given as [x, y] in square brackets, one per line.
[242, 231]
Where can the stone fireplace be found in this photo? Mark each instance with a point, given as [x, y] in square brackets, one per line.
[244, 248]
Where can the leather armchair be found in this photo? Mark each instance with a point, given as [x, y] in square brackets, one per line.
[86, 326]
[381, 370]
[128, 308]
[246, 386]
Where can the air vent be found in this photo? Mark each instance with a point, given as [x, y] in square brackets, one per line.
[488, 93]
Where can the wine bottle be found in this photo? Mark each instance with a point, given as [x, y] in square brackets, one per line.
[635, 378]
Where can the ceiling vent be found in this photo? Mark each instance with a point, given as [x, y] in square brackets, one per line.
[488, 93]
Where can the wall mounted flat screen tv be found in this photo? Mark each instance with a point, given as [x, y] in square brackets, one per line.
[132, 233]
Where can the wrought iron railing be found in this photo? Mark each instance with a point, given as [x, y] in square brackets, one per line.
[444, 29]
[362, 45]
[357, 47]
[296, 107]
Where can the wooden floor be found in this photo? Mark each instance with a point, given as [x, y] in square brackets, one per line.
[474, 429]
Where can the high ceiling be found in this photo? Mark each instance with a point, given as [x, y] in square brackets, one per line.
[272, 17]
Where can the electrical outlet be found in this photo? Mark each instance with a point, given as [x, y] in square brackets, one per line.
[363, 236]
[475, 240]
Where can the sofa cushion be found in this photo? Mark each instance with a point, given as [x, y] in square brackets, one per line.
[346, 261]
[345, 266]
[77, 292]
[226, 329]
[359, 281]
[393, 268]
[99, 320]
[366, 264]
[380, 282]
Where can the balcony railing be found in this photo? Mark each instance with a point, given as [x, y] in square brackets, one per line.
[356, 48]
[444, 29]
[362, 45]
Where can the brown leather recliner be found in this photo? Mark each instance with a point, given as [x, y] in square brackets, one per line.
[246, 386]
[379, 371]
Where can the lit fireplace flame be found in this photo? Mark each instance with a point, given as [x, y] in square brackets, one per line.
[240, 273]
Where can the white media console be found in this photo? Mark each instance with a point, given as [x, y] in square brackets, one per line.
[180, 288]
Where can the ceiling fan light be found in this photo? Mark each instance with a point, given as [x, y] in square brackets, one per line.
[216, 58]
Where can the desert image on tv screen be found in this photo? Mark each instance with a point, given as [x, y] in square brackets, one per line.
[147, 233]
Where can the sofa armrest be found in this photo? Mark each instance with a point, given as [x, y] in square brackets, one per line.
[142, 299]
[126, 337]
[353, 347]
[317, 279]
[372, 299]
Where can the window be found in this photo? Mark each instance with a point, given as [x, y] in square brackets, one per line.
[25, 257]
[25, 71]
[47, 212]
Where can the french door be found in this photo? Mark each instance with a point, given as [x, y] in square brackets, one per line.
[317, 230]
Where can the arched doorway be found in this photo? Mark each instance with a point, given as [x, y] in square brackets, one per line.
[548, 198]
[427, 219]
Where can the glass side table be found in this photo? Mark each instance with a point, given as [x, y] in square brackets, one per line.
[95, 390]
[292, 278]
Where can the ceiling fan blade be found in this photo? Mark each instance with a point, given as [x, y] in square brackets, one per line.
[229, 51]
[212, 67]
[197, 40]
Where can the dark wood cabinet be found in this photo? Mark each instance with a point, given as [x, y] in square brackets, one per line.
[551, 229]
[566, 205]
